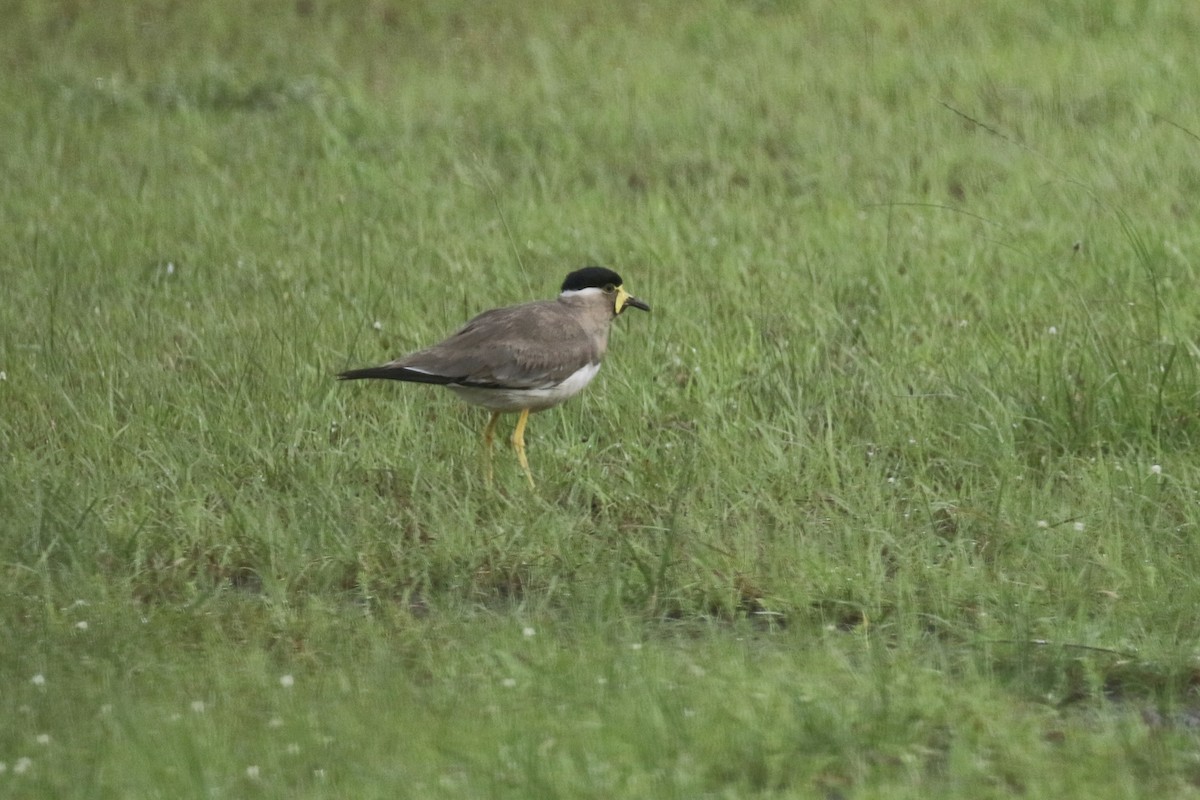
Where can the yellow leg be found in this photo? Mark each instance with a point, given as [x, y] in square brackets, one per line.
[518, 441]
[489, 435]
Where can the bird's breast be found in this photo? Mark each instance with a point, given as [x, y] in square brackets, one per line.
[500, 398]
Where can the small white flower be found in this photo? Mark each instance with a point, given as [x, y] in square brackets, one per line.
[528, 633]
[1079, 526]
[43, 738]
[377, 325]
[1052, 330]
[22, 765]
[82, 625]
[3, 375]
[635, 646]
[252, 772]
[287, 681]
[1156, 469]
[319, 774]
[38, 680]
[508, 683]
[198, 706]
[1041, 523]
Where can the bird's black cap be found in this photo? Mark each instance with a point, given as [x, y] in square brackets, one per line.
[591, 277]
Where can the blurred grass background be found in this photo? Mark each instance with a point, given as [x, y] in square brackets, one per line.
[891, 495]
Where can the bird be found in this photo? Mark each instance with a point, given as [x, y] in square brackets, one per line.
[522, 358]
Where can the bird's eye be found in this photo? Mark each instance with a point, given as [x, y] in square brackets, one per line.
[609, 288]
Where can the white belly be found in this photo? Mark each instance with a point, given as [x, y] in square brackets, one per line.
[533, 399]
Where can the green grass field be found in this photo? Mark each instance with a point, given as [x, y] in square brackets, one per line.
[893, 495]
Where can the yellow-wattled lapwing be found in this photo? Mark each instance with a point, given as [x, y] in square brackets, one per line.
[522, 358]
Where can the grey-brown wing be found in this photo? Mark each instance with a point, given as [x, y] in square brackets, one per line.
[530, 346]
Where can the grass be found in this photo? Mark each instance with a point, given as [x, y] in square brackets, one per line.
[892, 495]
